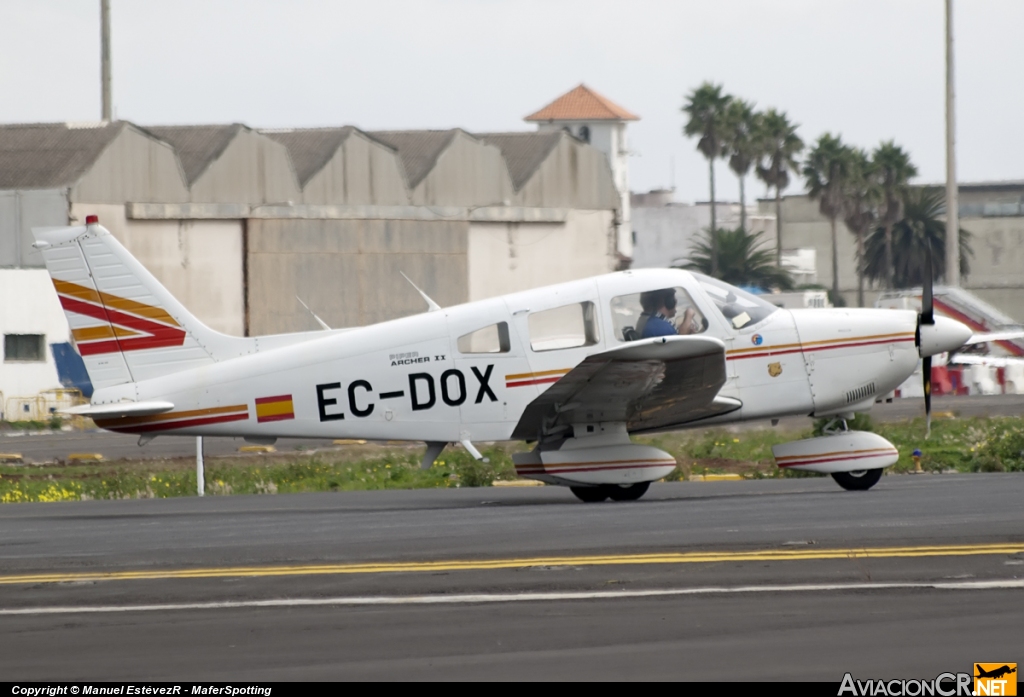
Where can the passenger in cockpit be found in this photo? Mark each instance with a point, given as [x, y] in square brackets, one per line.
[659, 307]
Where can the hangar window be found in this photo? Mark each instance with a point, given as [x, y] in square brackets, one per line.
[658, 312]
[569, 326]
[24, 348]
[492, 339]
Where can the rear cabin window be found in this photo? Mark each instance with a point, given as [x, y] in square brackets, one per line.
[24, 348]
[569, 326]
[657, 312]
[491, 339]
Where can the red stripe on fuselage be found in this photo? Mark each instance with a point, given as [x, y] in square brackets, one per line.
[807, 349]
[537, 381]
[205, 421]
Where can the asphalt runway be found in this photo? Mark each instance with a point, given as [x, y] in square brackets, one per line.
[752, 580]
[43, 447]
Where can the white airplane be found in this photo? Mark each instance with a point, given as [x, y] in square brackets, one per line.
[574, 368]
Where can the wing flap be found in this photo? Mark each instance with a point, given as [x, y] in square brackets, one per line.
[650, 385]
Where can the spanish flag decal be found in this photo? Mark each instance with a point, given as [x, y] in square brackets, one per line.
[279, 408]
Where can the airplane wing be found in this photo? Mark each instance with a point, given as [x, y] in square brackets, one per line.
[997, 361]
[653, 384]
[995, 336]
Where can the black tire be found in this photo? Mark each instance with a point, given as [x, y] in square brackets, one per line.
[861, 480]
[590, 494]
[627, 493]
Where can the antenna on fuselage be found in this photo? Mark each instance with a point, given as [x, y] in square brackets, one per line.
[318, 320]
[430, 303]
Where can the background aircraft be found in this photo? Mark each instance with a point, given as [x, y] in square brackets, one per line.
[574, 368]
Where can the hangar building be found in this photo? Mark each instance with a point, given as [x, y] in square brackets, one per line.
[239, 222]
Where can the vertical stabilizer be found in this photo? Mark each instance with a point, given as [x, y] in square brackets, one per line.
[125, 324]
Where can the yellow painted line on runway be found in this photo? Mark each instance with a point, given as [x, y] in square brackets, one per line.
[526, 562]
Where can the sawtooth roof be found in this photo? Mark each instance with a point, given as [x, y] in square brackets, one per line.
[417, 150]
[47, 155]
[50, 155]
[197, 146]
[523, 152]
[310, 148]
[582, 104]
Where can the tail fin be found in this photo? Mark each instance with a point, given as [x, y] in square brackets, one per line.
[126, 325]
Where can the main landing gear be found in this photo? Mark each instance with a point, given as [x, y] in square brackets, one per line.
[615, 492]
[859, 480]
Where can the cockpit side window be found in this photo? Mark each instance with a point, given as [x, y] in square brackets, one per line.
[740, 308]
[656, 312]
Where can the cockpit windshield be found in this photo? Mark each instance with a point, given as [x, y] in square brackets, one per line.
[740, 308]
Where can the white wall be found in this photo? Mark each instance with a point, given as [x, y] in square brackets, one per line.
[29, 305]
[199, 261]
[509, 257]
[610, 138]
[664, 234]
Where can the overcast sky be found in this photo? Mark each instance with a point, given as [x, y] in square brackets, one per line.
[867, 69]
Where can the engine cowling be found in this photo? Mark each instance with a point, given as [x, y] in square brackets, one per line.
[846, 451]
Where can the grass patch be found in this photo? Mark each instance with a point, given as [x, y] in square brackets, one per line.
[54, 423]
[993, 444]
[345, 469]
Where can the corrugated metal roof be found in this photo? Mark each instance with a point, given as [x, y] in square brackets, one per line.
[197, 146]
[582, 104]
[523, 152]
[310, 148]
[50, 155]
[59, 154]
[417, 150]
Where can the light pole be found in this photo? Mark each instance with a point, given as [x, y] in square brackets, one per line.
[105, 58]
[952, 192]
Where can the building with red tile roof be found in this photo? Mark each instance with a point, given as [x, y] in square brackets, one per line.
[582, 104]
[595, 119]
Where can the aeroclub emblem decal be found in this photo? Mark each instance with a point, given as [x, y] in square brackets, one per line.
[756, 340]
[775, 369]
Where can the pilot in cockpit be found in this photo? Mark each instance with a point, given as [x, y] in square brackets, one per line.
[659, 307]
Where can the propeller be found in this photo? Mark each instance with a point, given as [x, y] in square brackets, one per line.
[927, 318]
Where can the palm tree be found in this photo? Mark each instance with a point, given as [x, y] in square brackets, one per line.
[706, 108]
[826, 170]
[894, 172]
[779, 147]
[860, 207]
[918, 232]
[743, 145]
[741, 260]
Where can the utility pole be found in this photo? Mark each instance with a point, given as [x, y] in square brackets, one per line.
[105, 58]
[952, 191]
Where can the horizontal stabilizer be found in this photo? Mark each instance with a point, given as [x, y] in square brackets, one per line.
[119, 409]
